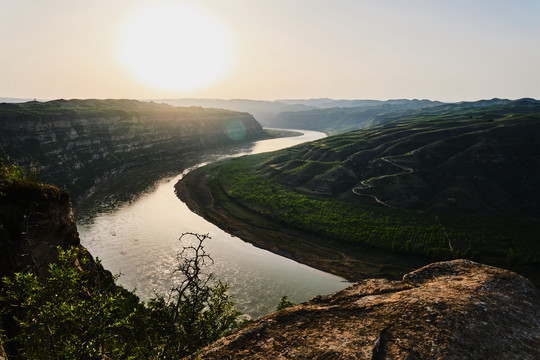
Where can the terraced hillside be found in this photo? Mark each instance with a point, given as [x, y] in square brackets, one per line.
[444, 186]
[460, 164]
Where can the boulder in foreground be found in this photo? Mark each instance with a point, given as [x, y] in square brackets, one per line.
[448, 310]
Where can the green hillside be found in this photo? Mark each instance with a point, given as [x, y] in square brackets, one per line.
[461, 181]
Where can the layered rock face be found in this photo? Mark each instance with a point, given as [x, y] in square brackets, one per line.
[34, 221]
[77, 143]
[448, 310]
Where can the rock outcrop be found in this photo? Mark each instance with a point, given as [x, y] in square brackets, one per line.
[75, 144]
[449, 310]
[34, 221]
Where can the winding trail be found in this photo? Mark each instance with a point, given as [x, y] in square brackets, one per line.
[366, 185]
[406, 170]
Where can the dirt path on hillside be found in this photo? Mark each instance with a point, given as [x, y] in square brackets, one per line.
[348, 261]
[365, 184]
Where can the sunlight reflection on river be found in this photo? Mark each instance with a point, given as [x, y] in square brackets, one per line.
[140, 241]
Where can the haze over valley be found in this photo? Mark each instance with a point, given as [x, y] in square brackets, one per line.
[205, 179]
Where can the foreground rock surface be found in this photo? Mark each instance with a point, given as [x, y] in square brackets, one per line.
[449, 310]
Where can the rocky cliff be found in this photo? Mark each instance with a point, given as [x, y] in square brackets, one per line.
[449, 310]
[34, 220]
[75, 144]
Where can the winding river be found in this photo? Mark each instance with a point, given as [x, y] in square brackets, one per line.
[140, 240]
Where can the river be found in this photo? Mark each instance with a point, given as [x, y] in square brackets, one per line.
[139, 240]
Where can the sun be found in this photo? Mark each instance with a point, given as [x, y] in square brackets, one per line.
[174, 47]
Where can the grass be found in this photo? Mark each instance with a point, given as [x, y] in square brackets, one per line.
[16, 183]
[335, 219]
[507, 241]
[472, 194]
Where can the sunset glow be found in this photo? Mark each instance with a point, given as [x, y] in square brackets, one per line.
[173, 47]
[245, 49]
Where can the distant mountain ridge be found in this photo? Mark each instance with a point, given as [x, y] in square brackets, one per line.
[484, 109]
[307, 113]
[341, 119]
[336, 116]
[262, 110]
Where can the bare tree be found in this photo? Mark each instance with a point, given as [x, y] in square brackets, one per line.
[199, 306]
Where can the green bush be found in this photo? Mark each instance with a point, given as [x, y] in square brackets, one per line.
[77, 313]
[65, 315]
[284, 303]
[13, 176]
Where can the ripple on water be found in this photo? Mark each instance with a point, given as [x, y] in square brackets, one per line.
[139, 240]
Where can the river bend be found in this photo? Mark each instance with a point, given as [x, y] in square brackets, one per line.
[139, 240]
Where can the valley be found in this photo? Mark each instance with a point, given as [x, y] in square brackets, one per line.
[269, 180]
[134, 231]
[455, 181]
[369, 205]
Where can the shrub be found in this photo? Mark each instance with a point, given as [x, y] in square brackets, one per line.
[284, 303]
[75, 313]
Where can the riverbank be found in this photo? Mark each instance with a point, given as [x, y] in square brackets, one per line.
[128, 185]
[351, 262]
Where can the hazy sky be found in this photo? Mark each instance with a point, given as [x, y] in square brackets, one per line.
[270, 49]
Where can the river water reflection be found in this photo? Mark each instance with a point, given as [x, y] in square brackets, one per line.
[140, 240]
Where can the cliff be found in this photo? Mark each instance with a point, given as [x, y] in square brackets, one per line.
[75, 144]
[449, 310]
[34, 220]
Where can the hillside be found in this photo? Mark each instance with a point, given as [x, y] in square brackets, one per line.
[442, 187]
[75, 144]
[488, 157]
